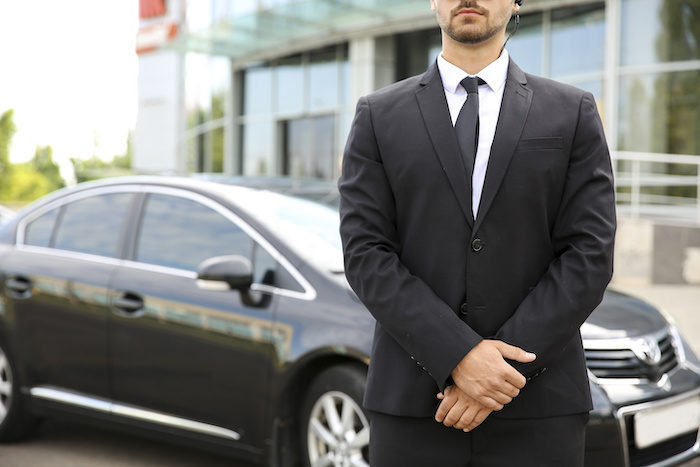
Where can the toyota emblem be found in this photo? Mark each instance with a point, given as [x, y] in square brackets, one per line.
[647, 350]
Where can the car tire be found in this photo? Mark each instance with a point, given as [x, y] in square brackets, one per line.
[334, 427]
[15, 422]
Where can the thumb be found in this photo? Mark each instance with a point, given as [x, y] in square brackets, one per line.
[512, 352]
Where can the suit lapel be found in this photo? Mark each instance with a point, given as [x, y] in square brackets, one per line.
[511, 120]
[436, 116]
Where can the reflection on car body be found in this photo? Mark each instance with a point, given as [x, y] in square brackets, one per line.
[219, 314]
[5, 214]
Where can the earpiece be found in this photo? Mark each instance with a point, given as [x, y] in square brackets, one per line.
[517, 5]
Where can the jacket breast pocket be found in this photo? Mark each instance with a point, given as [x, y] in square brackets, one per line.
[540, 144]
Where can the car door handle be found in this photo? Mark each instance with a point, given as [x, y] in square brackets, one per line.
[128, 303]
[20, 287]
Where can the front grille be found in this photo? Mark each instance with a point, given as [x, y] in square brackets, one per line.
[616, 359]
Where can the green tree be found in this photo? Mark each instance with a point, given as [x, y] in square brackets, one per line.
[44, 164]
[7, 131]
[26, 184]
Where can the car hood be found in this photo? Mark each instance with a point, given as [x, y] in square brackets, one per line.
[620, 315]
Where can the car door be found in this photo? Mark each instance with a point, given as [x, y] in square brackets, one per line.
[182, 349]
[56, 291]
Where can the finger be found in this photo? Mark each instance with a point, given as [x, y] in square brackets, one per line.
[499, 396]
[444, 408]
[478, 419]
[468, 416]
[514, 377]
[440, 396]
[489, 403]
[455, 413]
[512, 352]
[505, 389]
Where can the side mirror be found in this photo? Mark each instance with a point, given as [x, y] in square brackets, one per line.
[236, 271]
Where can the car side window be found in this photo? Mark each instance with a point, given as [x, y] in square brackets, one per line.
[266, 270]
[93, 225]
[38, 231]
[181, 233]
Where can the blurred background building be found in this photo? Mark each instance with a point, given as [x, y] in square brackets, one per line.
[268, 87]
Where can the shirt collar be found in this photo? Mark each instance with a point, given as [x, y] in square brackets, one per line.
[494, 74]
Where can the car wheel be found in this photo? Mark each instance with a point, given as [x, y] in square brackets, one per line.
[335, 428]
[15, 423]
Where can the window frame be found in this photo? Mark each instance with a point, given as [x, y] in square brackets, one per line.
[128, 236]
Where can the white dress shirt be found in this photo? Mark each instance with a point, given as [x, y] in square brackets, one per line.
[490, 97]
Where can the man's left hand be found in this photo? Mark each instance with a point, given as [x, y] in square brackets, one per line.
[459, 410]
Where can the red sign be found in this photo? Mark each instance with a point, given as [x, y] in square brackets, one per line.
[151, 8]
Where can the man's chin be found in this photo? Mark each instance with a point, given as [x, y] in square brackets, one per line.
[467, 38]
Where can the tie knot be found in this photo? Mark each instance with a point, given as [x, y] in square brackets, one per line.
[471, 84]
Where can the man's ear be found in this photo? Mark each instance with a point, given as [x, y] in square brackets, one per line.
[432, 5]
[516, 7]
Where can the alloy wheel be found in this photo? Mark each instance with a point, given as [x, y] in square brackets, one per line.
[5, 385]
[338, 432]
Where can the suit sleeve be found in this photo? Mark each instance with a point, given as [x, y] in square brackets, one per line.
[582, 238]
[423, 324]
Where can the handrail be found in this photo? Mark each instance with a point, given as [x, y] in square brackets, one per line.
[645, 187]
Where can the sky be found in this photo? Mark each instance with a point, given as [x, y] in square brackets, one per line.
[69, 69]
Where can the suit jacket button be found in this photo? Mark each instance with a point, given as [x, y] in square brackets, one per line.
[477, 244]
[463, 309]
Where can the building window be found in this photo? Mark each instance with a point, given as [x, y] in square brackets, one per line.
[659, 97]
[660, 112]
[416, 51]
[657, 31]
[207, 84]
[660, 76]
[293, 114]
[580, 29]
[306, 143]
[289, 82]
[526, 46]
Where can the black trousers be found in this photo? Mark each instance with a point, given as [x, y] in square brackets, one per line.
[423, 442]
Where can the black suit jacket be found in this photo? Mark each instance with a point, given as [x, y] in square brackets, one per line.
[528, 271]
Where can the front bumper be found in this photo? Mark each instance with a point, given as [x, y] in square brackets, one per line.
[673, 451]
[610, 432]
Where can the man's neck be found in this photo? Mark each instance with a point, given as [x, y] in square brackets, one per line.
[472, 58]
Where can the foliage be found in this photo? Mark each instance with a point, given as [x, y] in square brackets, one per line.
[44, 164]
[7, 131]
[29, 180]
[94, 167]
[27, 184]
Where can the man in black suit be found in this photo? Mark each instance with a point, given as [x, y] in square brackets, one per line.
[480, 258]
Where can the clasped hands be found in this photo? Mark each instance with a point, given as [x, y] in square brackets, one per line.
[484, 382]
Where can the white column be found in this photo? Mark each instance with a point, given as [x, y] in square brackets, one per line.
[372, 64]
[231, 129]
[159, 124]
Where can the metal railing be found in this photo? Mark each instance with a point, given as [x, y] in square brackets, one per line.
[658, 185]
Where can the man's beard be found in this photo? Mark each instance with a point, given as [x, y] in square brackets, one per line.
[471, 35]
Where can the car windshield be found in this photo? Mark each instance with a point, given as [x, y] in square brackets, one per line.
[308, 227]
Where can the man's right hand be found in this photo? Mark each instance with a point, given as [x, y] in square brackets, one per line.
[484, 375]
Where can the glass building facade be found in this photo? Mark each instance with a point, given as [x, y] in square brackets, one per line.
[270, 86]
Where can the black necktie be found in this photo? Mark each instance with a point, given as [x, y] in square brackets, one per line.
[467, 124]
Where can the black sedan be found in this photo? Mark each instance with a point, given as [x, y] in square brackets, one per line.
[219, 315]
